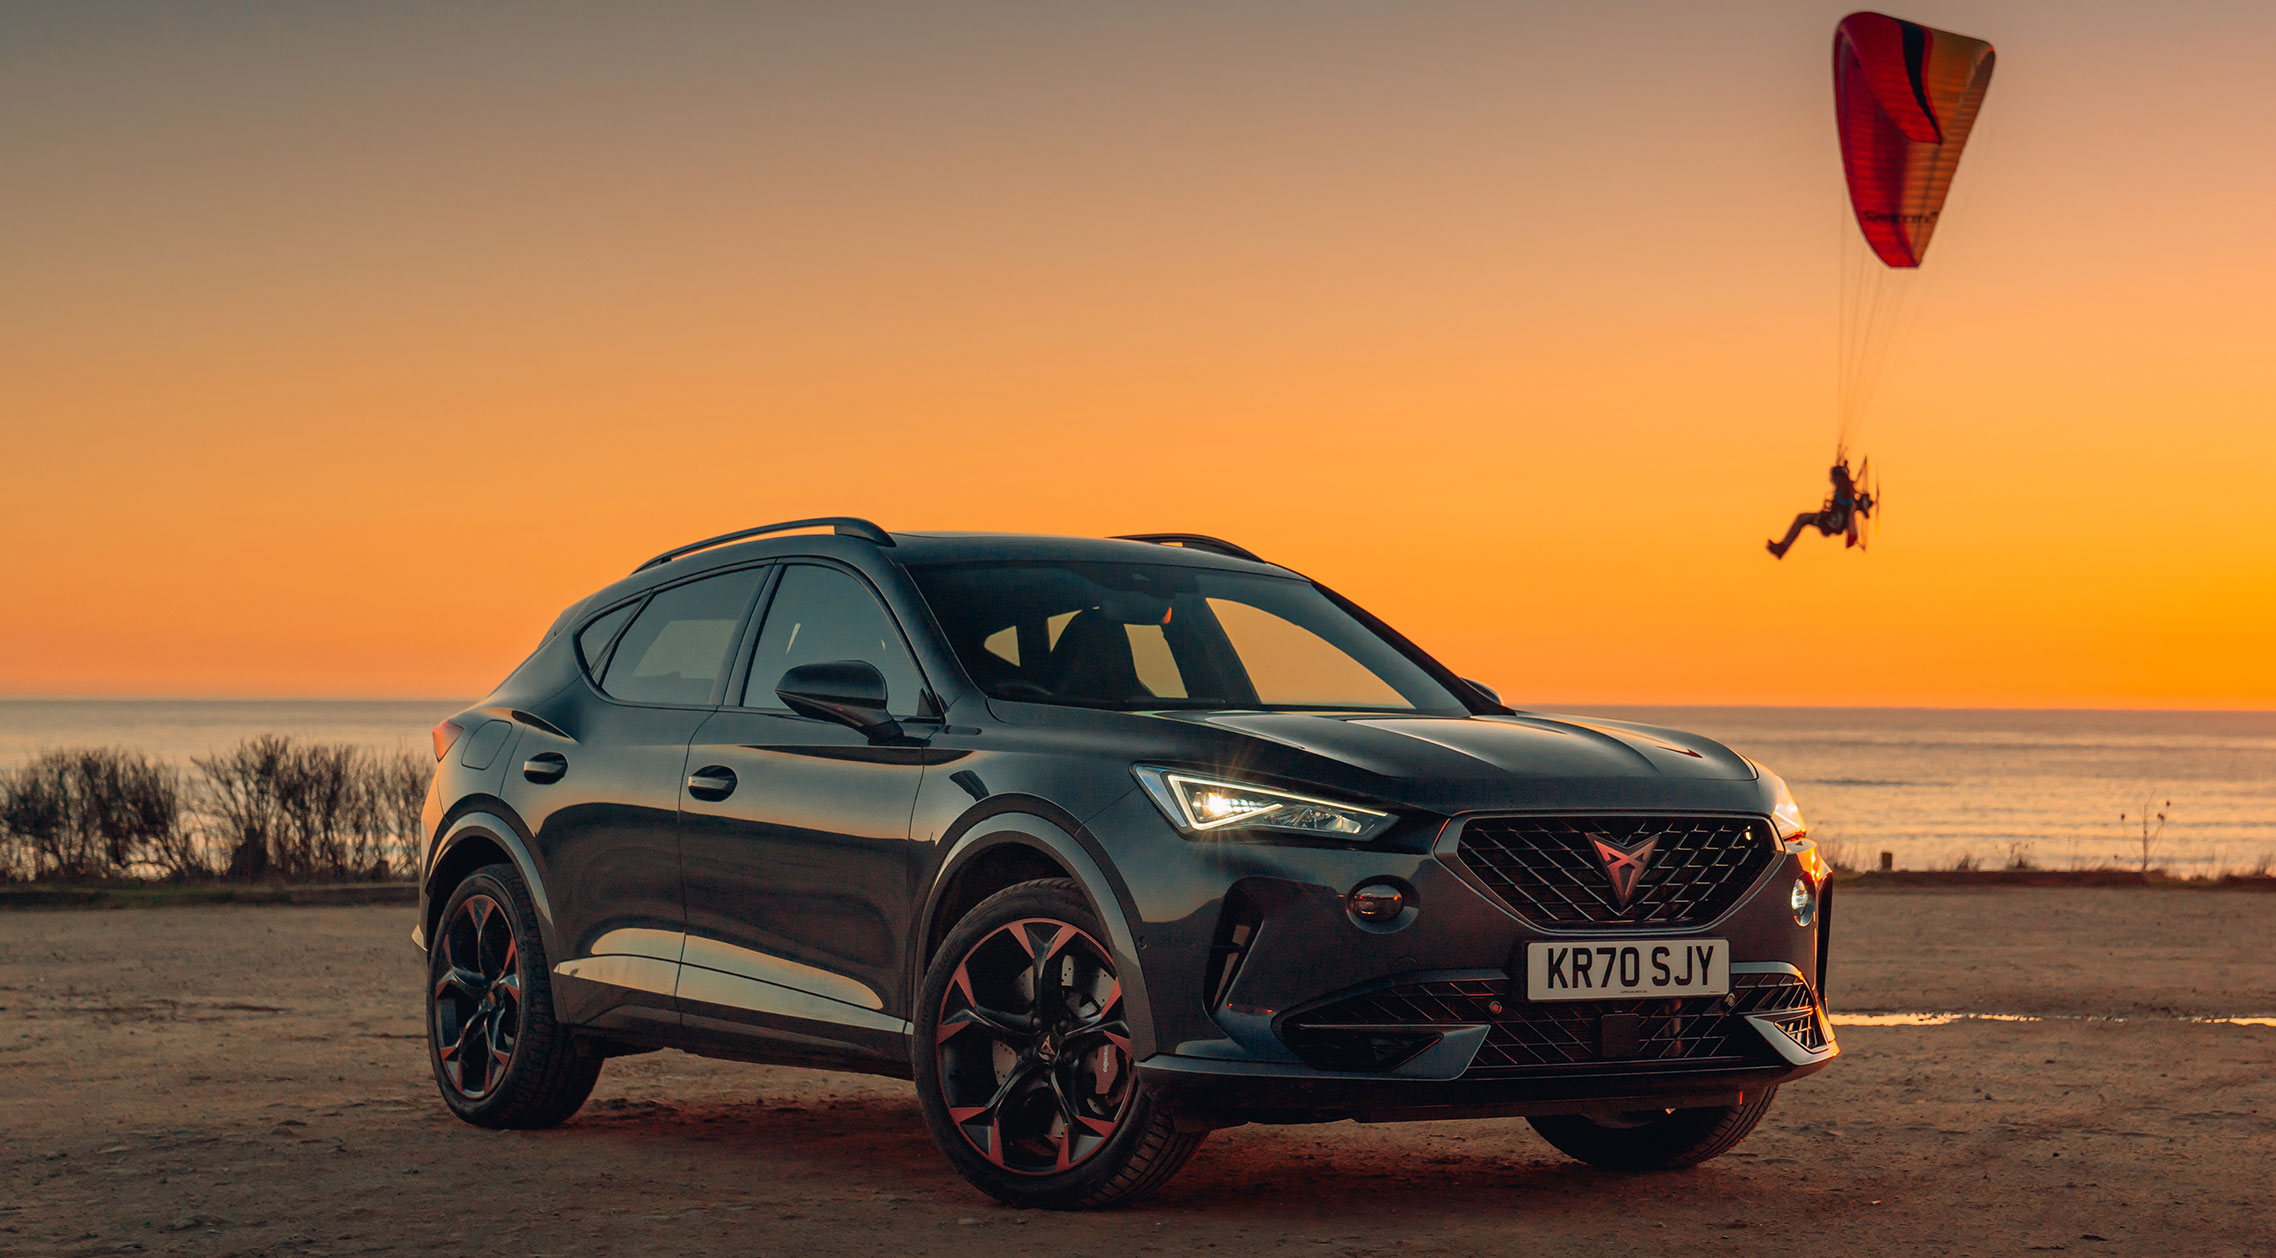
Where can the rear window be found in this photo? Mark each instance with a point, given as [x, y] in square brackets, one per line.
[593, 641]
[676, 650]
[1141, 636]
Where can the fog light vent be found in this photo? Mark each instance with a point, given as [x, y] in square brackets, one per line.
[1377, 903]
[1236, 931]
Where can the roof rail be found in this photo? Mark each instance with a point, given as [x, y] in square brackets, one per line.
[1194, 541]
[844, 525]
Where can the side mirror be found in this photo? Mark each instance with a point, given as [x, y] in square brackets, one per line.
[850, 692]
[1486, 690]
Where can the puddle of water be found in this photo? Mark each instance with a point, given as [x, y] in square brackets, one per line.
[1944, 1019]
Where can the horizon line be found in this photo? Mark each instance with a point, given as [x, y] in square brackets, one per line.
[1550, 706]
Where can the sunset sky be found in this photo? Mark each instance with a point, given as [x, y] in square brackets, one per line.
[342, 345]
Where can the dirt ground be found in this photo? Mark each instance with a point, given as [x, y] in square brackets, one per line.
[244, 1080]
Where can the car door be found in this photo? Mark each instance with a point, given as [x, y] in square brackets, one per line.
[794, 835]
[601, 793]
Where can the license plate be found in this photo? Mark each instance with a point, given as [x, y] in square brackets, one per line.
[1612, 968]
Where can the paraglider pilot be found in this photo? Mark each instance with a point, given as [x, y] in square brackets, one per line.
[1845, 507]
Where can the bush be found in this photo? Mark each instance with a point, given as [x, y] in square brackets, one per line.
[312, 810]
[95, 813]
[398, 790]
[1840, 855]
[272, 807]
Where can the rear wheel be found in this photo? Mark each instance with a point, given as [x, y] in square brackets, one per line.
[499, 1057]
[1656, 1140]
[1023, 1058]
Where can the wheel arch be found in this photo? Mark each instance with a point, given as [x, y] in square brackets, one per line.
[993, 849]
[479, 837]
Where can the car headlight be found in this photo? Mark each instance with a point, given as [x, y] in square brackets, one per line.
[1201, 805]
[1793, 832]
[1785, 813]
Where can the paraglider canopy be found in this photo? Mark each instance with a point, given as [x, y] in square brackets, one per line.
[1905, 97]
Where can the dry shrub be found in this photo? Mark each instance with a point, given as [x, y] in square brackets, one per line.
[244, 809]
[95, 813]
[271, 807]
[397, 785]
[1839, 854]
[276, 807]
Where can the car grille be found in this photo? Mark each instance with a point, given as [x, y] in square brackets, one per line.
[1549, 871]
[1379, 1030]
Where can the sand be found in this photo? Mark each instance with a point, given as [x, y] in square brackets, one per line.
[250, 1080]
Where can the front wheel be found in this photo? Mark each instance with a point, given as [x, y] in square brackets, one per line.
[1023, 1059]
[499, 1057]
[1656, 1140]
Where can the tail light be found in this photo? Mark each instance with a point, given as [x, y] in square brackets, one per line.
[446, 733]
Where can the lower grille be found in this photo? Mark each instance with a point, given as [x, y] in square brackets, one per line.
[1803, 1028]
[1690, 1031]
[1384, 1029]
[1393, 1024]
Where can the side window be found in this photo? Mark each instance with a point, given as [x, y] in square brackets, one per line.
[822, 614]
[676, 650]
[593, 642]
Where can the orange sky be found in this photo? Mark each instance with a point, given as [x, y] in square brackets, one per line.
[340, 348]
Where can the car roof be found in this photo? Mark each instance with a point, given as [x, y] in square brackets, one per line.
[913, 547]
[928, 547]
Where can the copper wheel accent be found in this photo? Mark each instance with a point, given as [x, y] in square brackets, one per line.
[1033, 1049]
[477, 998]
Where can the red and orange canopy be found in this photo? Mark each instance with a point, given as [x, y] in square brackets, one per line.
[1905, 97]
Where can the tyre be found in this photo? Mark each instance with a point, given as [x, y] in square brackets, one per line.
[498, 1055]
[1023, 1059]
[1656, 1140]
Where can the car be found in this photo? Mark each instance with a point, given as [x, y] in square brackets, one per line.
[1104, 844]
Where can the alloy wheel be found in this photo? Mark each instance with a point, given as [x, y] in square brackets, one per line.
[477, 997]
[1033, 1048]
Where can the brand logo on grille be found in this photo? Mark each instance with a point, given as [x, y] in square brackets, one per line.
[1624, 865]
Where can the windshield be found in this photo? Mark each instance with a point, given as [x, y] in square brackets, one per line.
[1140, 636]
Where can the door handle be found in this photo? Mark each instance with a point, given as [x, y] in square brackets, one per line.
[713, 782]
[545, 766]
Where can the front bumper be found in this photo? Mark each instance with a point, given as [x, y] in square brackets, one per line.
[1459, 1045]
[1215, 1093]
[1269, 1002]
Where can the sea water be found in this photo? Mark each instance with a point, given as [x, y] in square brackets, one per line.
[1999, 787]
[179, 730]
[1932, 787]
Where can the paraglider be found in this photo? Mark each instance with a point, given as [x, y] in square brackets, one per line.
[1905, 98]
[1846, 511]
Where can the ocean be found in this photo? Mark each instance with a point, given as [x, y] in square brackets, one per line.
[2045, 787]
[1931, 787]
[178, 730]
